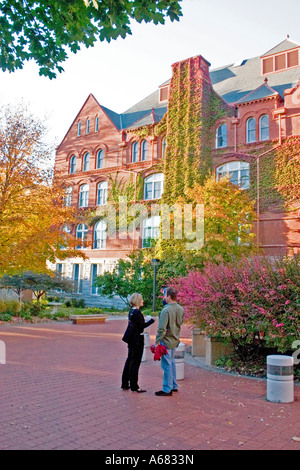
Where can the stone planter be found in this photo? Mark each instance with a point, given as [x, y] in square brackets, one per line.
[216, 348]
[199, 343]
[209, 347]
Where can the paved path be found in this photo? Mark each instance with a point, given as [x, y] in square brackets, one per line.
[60, 389]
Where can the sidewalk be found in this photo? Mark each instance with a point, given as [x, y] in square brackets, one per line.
[60, 389]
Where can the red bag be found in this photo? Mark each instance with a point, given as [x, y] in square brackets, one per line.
[158, 351]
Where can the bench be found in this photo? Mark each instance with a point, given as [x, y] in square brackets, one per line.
[88, 319]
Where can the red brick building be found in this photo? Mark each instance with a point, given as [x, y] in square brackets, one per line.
[262, 96]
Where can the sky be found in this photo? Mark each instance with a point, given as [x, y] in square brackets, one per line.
[121, 73]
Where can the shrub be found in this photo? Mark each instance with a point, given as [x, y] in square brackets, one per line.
[10, 307]
[255, 302]
[77, 303]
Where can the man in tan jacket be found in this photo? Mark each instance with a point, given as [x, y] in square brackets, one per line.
[168, 334]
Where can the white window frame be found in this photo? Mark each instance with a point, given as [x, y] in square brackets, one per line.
[229, 169]
[86, 162]
[102, 193]
[96, 270]
[263, 128]
[221, 136]
[100, 235]
[73, 161]
[81, 234]
[144, 150]
[100, 159]
[250, 132]
[135, 152]
[150, 230]
[84, 195]
[68, 196]
[151, 185]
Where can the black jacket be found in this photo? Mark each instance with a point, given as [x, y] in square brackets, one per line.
[136, 326]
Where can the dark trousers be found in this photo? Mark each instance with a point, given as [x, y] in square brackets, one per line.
[132, 365]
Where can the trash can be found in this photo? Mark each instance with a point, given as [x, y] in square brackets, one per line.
[179, 361]
[280, 379]
[144, 355]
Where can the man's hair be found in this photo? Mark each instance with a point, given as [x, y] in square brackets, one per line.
[170, 291]
[135, 299]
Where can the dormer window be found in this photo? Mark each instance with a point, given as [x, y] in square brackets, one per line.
[164, 93]
[278, 62]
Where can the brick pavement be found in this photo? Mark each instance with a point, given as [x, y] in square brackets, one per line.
[60, 389]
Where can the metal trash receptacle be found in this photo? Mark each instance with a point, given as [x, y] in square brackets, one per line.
[179, 361]
[280, 379]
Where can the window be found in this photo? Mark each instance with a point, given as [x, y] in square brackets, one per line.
[79, 128]
[238, 173]
[251, 130]
[73, 164]
[264, 127]
[86, 162]
[96, 123]
[100, 157]
[95, 271]
[279, 62]
[81, 235]
[163, 147]
[135, 152]
[84, 195]
[100, 235]
[102, 193]
[144, 150]
[68, 196]
[87, 126]
[164, 93]
[154, 186]
[221, 136]
[150, 230]
[77, 279]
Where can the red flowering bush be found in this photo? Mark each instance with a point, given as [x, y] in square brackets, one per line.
[255, 303]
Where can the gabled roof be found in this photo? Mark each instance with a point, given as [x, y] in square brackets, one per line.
[263, 91]
[285, 45]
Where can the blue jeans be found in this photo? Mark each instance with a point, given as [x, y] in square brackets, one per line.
[168, 366]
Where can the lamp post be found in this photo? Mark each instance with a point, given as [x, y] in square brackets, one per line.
[155, 262]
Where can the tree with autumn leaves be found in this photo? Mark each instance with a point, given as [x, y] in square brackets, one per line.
[33, 212]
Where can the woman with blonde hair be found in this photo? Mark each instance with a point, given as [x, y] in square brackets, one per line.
[134, 337]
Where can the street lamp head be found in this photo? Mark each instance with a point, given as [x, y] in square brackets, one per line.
[155, 262]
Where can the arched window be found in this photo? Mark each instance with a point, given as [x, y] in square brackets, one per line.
[264, 127]
[100, 158]
[87, 126]
[100, 235]
[96, 123]
[73, 164]
[86, 162]
[68, 196]
[221, 136]
[150, 230]
[163, 147]
[102, 193]
[135, 149]
[144, 150]
[238, 173]
[250, 130]
[154, 186]
[81, 235]
[84, 195]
